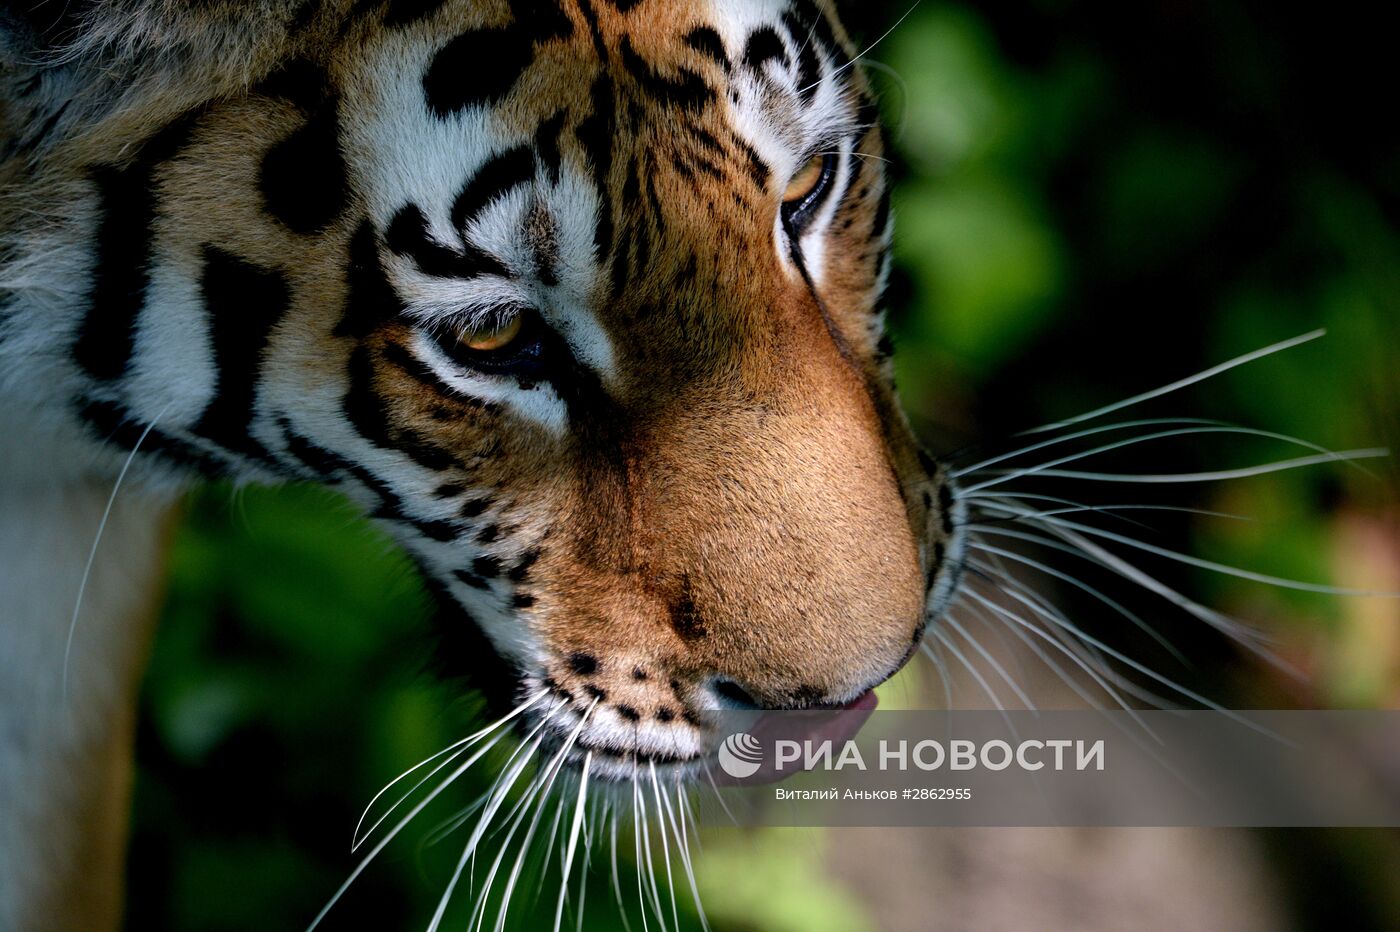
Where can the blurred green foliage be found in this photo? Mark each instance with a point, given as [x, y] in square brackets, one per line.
[1091, 202]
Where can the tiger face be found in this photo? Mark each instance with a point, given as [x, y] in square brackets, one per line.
[580, 299]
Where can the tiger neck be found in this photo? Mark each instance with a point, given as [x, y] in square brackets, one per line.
[66, 741]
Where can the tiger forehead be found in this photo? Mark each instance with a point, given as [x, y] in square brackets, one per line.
[629, 133]
[644, 95]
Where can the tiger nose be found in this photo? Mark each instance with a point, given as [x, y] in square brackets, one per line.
[728, 694]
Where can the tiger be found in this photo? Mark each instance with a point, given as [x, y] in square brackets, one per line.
[581, 300]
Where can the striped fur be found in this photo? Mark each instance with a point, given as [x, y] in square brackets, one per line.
[248, 234]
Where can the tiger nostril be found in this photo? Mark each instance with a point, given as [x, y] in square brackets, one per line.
[731, 691]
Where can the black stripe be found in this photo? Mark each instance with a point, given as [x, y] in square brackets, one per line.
[655, 200]
[543, 19]
[402, 358]
[804, 38]
[547, 144]
[764, 46]
[590, 16]
[758, 169]
[442, 531]
[370, 301]
[476, 68]
[369, 416]
[408, 236]
[244, 302]
[700, 135]
[595, 135]
[707, 42]
[881, 221]
[329, 466]
[300, 82]
[118, 426]
[687, 90]
[127, 202]
[303, 178]
[408, 12]
[495, 178]
[825, 35]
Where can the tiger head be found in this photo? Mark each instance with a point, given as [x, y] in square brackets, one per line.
[579, 297]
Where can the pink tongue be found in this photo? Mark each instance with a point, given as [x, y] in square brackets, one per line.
[837, 724]
[865, 702]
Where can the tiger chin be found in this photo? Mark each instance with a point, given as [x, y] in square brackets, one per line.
[580, 299]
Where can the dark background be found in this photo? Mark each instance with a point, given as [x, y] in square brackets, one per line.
[1093, 199]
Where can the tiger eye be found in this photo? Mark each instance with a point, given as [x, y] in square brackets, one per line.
[806, 180]
[491, 337]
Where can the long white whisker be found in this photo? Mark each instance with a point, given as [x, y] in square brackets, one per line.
[1066, 438]
[1061, 623]
[459, 746]
[1047, 468]
[637, 850]
[1189, 560]
[97, 539]
[995, 665]
[1063, 630]
[1183, 383]
[573, 839]
[499, 796]
[1218, 475]
[868, 48]
[683, 849]
[617, 878]
[449, 825]
[665, 845]
[1053, 641]
[513, 822]
[1085, 549]
[651, 865]
[393, 833]
[1065, 577]
[1065, 676]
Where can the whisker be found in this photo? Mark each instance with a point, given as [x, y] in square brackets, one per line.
[1074, 507]
[1279, 581]
[1079, 434]
[1053, 641]
[1065, 676]
[1219, 475]
[1087, 550]
[460, 746]
[97, 540]
[992, 661]
[1047, 468]
[1064, 629]
[1183, 383]
[665, 845]
[644, 843]
[1087, 638]
[683, 848]
[1079, 584]
[617, 879]
[573, 838]
[514, 821]
[499, 794]
[868, 48]
[393, 833]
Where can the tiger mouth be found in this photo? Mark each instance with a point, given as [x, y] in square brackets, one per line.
[618, 749]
